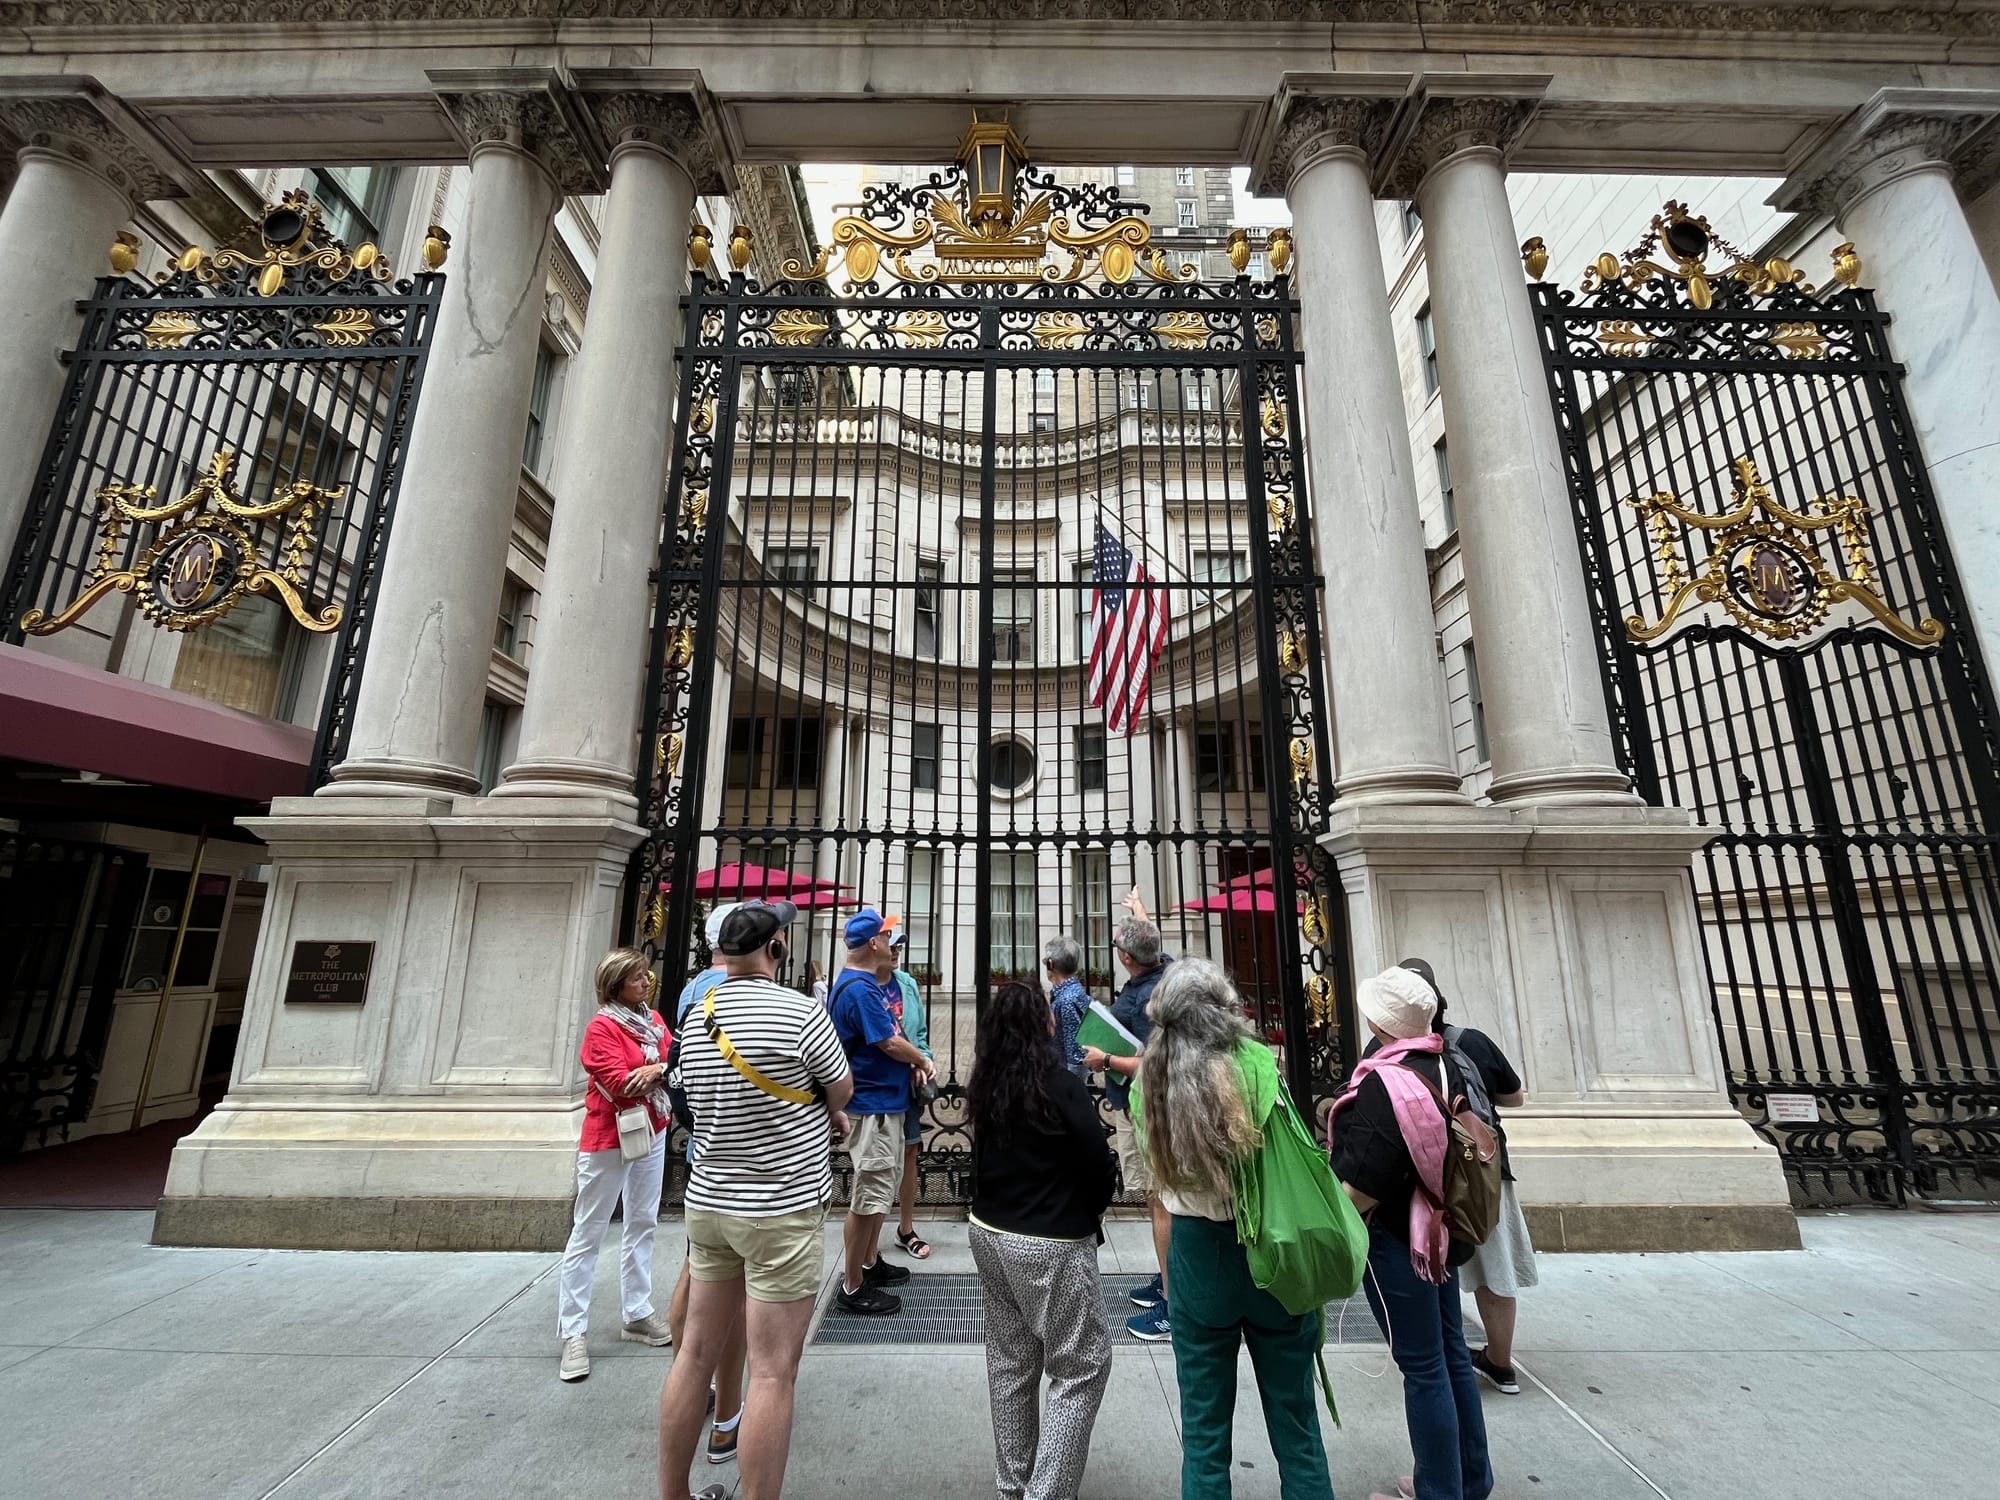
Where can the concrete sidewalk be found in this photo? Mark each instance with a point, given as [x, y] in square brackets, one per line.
[1867, 1366]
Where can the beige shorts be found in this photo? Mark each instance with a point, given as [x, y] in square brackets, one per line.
[1131, 1160]
[780, 1259]
[875, 1146]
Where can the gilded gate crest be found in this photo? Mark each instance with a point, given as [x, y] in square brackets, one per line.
[198, 570]
[1764, 569]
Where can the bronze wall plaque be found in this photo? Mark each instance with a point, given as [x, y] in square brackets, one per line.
[329, 973]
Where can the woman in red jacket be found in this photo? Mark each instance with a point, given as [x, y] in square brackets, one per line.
[624, 1053]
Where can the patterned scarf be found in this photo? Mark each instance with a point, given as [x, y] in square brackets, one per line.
[639, 1024]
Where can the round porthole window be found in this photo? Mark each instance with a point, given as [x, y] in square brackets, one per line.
[1011, 769]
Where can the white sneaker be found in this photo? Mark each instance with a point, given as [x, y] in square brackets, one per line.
[651, 1329]
[575, 1358]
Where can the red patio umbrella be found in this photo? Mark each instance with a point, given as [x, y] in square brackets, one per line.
[1238, 900]
[740, 879]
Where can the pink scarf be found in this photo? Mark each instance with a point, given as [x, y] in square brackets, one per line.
[1425, 1134]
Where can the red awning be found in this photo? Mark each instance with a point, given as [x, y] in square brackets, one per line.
[59, 714]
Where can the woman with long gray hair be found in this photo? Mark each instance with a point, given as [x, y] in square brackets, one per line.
[1204, 1094]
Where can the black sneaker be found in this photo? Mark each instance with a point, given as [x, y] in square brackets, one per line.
[884, 1274]
[869, 1302]
[1502, 1376]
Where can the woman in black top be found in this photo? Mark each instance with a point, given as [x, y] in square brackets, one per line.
[1043, 1175]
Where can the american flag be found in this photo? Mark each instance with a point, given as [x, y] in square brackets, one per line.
[1128, 627]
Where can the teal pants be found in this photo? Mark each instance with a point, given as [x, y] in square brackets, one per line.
[1217, 1308]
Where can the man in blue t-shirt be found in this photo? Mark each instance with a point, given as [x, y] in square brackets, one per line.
[883, 1060]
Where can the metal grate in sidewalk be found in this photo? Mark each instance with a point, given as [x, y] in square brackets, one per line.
[945, 1307]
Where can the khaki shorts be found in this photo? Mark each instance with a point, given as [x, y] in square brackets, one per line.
[875, 1146]
[780, 1259]
[1131, 1160]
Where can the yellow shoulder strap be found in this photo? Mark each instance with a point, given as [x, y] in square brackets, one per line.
[737, 1061]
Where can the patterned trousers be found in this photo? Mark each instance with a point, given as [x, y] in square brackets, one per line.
[1044, 1315]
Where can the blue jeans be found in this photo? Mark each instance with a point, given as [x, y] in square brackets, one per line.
[1440, 1391]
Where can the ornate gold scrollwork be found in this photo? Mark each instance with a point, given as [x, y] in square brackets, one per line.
[987, 223]
[667, 756]
[1279, 504]
[195, 572]
[1764, 570]
[1182, 330]
[653, 920]
[347, 327]
[1686, 241]
[291, 236]
[680, 651]
[1271, 417]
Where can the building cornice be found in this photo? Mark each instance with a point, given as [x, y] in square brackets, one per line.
[1944, 19]
[77, 119]
[1446, 114]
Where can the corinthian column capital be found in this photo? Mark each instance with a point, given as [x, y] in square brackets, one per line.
[75, 119]
[668, 111]
[1445, 114]
[530, 110]
[1316, 114]
[1898, 132]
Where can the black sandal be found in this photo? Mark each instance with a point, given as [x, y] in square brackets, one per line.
[914, 1244]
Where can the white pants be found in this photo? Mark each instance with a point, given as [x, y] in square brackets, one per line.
[601, 1176]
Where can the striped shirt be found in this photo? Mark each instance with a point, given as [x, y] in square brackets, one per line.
[756, 1156]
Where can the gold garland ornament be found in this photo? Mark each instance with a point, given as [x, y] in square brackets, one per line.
[1765, 570]
[198, 570]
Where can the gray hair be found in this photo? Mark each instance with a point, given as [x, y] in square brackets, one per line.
[1140, 941]
[1197, 1125]
[1062, 954]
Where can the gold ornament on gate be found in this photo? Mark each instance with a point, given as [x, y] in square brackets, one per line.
[991, 218]
[199, 568]
[1765, 570]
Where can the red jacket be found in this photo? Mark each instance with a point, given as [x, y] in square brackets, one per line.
[608, 1053]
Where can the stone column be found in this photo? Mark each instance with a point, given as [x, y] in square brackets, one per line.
[1886, 177]
[579, 728]
[1546, 720]
[84, 163]
[1391, 741]
[416, 721]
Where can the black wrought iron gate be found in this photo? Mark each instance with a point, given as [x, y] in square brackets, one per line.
[223, 465]
[894, 510]
[229, 443]
[1786, 655]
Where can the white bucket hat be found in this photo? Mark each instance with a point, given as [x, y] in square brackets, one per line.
[1398, 1001]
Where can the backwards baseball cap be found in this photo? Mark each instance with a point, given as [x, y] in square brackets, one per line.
[866, 925]
[713, 928]
[752, 924]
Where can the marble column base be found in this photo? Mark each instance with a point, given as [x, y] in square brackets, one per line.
[1569, 935]
[1406, 784]
[571, 778]
[444, 1109]
[397, 777]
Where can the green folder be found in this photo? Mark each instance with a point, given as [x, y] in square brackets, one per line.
[1101, 1029]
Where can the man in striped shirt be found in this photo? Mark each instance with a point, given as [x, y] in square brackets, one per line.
[767, 1080]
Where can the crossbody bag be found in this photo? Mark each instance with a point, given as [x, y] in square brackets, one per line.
[744, 1066]
[635, 1127]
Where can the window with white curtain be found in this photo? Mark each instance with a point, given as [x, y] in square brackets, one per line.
[1015, 949]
